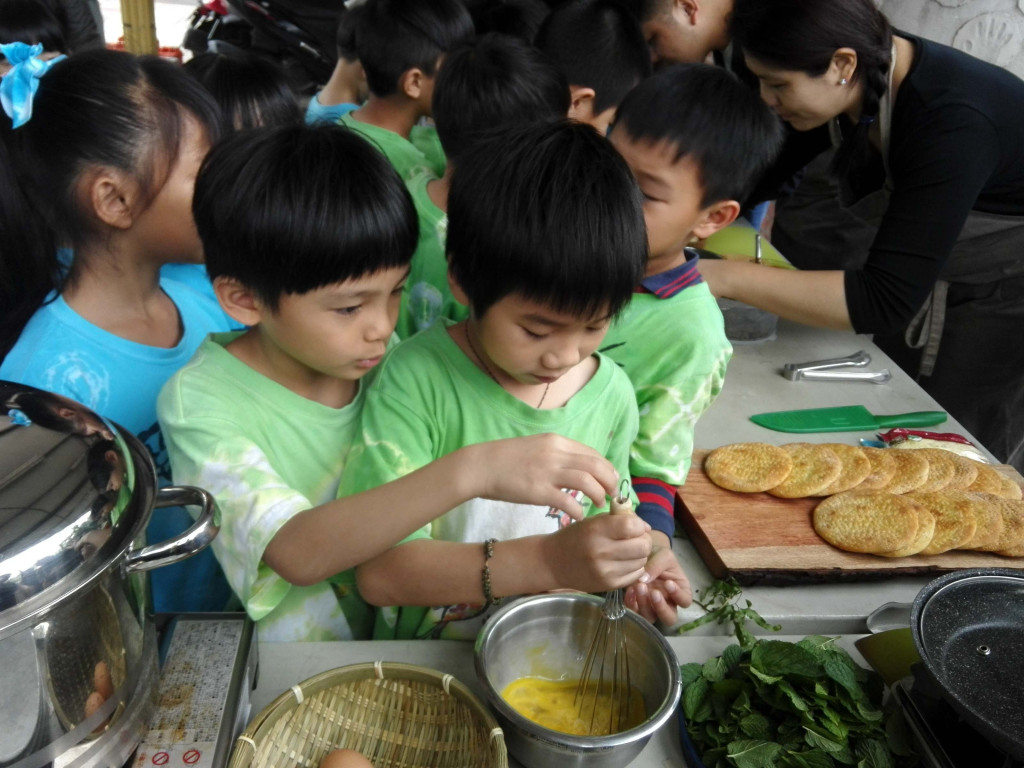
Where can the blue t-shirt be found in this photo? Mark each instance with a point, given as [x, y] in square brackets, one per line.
[196, 277]
[61, 352]
[321, 113]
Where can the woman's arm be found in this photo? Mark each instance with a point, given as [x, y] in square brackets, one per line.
[809, 297]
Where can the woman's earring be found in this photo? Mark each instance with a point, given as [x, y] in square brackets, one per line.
[843, 81]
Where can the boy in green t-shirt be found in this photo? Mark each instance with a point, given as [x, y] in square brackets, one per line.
[308, 233]
[496, 81]
[401, 44]
[545, 243]
[599, 47]
[696, 139]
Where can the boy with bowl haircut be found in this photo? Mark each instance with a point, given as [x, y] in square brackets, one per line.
[696, 139]
[599, 47]
[545, 241]
[307, 233]
[401, 44]
[683, 31]
[496, 82]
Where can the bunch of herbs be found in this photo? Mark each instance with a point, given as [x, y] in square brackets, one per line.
[774, 704]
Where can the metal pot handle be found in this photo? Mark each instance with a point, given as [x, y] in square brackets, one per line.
[889, 616]
[196, 538]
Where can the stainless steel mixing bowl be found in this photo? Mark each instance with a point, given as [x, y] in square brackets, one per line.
[548, 636]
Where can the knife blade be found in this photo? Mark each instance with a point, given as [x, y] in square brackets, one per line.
[846, 418]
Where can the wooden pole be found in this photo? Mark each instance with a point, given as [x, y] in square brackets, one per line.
[139, 26]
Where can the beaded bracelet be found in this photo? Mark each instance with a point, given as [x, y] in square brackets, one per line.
[485, 574]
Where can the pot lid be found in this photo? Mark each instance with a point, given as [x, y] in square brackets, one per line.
[969, 630]
[75, 491]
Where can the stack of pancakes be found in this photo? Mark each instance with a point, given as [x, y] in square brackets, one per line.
[886, 502]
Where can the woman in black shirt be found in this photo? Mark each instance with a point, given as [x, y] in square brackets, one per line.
[930, 147]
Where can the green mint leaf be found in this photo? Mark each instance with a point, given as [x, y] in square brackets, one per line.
[690, 672]
[697, 701]
[753, 753]
[757, 726]
[715, 669]
[873, 754]
[776, 657]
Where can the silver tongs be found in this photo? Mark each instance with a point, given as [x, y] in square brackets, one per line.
[849, 368]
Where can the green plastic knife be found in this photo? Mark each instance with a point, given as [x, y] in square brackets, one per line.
[846, 418]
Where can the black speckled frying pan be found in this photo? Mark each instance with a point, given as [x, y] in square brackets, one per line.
[968, 627]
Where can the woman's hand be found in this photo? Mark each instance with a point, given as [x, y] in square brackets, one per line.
[538, 469]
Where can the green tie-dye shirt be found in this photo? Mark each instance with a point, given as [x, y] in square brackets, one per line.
[421, 151]
[266, 454]
[427, 295]
[428, 400]
[675, 352]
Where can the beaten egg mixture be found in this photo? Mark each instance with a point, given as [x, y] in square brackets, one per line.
[550, 703]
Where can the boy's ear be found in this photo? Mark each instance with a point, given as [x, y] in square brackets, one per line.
[715, 217]
[685, 11]
[238, 300]
[581, 104]
[457, 293]
[411, 82]
[111, 195]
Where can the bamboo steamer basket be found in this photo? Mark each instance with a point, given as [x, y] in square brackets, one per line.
[396, 715]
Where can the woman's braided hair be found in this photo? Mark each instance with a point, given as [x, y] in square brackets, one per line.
[803, 35]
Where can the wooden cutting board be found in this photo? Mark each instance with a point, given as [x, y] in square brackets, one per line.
[759, 539]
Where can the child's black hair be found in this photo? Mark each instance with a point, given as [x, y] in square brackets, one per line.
[517, 18]
[98, 108]
[597, 44]
[251, 91]
[31, 21]
[292, 209]
[709, 116]
[394, 36]
[549, 212]
[492, 84]
[345, 34]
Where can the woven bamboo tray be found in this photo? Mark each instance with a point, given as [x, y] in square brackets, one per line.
[396, 715]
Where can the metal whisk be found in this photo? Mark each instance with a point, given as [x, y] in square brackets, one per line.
[605, 674]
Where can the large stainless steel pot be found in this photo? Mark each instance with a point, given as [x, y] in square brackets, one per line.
[76, 493]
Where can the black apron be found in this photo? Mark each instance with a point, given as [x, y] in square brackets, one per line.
[964, 344]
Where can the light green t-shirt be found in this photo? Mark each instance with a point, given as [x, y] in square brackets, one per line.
[428, 400]
[421, 151]
[427, 296]
[266, 454]
[675, 352]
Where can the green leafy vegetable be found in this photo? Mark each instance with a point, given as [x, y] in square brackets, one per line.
[772, 704]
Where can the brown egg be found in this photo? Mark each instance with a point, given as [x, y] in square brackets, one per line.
[101, 680]
[345, 758]
[94, 702]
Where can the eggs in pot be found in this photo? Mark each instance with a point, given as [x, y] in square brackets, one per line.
[552, 704]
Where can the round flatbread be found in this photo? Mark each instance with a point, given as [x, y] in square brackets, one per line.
[925, 531]
[1011, 540]
[856, 467]
[940, 469]
[987, 481]
[814, 467]
[883, 467]
[1010, 489]
[965, 472]
[911, 472]
[867, 521]
[748, 467]
[954, 519]
[987, 511]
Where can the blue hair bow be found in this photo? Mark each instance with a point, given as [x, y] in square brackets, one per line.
[19, 85]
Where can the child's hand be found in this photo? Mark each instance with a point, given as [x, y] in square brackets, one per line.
[536, 469]
[666, 589]
[599, 553]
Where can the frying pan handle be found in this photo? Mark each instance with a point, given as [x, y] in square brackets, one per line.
[196, 538]
[889, 616]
